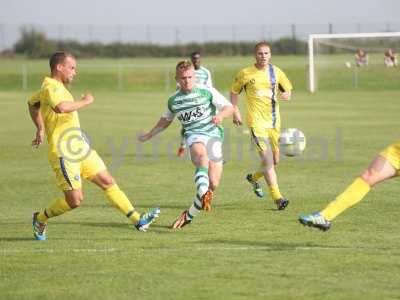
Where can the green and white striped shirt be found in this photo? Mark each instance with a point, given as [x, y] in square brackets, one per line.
[203, 77]
[195, 111]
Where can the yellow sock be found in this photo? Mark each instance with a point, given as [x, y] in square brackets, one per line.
[119, 200]
[58, 207]
[257, 175]
[275, 193]
[352, 195]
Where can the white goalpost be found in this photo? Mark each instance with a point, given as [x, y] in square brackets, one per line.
[312, 38]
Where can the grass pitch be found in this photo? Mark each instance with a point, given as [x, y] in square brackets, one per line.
[244, 248]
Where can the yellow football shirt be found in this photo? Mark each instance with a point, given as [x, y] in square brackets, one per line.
[392, 154]
[261, 88]
[62, 129]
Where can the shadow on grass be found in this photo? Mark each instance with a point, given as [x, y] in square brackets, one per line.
[143, 207]
[16, 239]
[170, 206]
[97, 224]
[158, 228]
[270, 246]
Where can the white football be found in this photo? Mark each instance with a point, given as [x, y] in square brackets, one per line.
[292, 142]
[348, 64]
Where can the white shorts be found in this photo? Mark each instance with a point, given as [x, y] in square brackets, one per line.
[390, 63]
[212, 144]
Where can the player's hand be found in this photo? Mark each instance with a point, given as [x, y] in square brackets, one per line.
[38, 138]
[87, 98]
[237, 118]
[285, 96]
[217, 120]
[143, 137]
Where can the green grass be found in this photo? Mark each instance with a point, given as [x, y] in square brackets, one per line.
[243, 249]
[149, 75]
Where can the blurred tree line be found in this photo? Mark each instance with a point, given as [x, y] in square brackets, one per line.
[35, 44]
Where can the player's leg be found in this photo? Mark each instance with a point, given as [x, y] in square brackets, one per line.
[214, 174]
[268, 149]
[260, 172]
[69, 181]
[388, 62]
[182, 145]
[215, 167]
[385, 166]
[94, 169]
[269, 172]
[379, 170]
[253, 178]
[200, 160]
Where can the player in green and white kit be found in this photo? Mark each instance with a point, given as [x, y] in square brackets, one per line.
[203, 79]
[196, 108]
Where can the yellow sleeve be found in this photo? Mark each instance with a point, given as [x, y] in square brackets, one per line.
[35, 98]
[284, 83]
[237, 84]
[54, 95]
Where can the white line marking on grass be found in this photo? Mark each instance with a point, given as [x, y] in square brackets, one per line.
[166, 249]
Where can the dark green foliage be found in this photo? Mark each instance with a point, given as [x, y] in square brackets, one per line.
[35, 44]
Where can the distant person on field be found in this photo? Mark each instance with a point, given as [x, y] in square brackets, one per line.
[200, 111]
[390, 58]
[264, 85]
[361, 58]
[385, 166]
[54, 113]
[203, 79]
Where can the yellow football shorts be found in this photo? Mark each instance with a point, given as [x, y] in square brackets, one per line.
[392, 154]
[69, 174]
[265, 138]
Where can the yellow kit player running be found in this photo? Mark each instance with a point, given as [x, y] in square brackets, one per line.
[54, 113]
[263, 83]
[385, 166]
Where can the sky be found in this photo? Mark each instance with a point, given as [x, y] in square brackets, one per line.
[171, 21]
[211, 12]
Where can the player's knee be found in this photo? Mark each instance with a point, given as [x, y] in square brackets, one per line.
[200, 160]
[74, 200]
[108, 181]
[74, 203]
[105, 180]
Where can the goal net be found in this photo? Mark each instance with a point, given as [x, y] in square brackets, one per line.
[333, 63]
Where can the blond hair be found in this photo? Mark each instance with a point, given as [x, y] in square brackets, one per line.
[183, 66]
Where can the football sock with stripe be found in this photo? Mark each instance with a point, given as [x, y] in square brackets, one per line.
[120, 201]
[257, 175]
[201, 181]
[58, 207]
[354, 193]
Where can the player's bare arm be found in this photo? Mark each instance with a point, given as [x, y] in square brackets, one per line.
[67, 106]
[162, 124]
[237, 118]
[285, 95]
[34, 111]
[225, 112]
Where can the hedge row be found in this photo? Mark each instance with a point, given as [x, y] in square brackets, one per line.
[34, 44]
